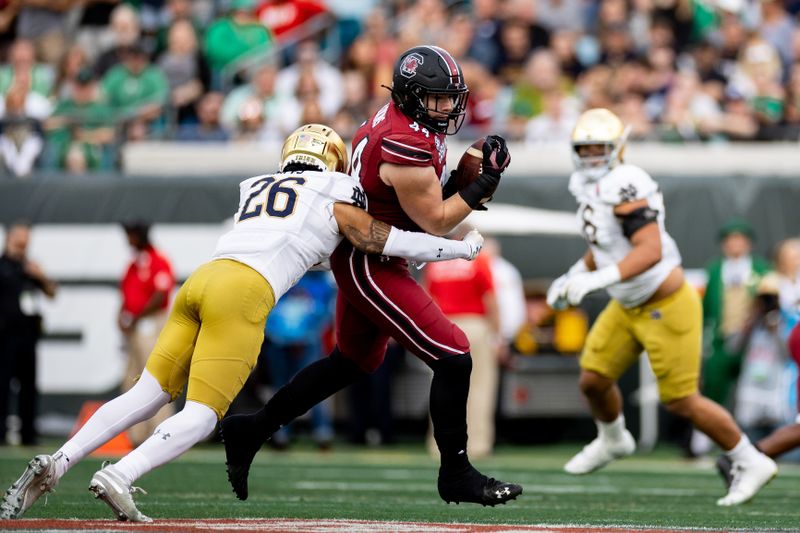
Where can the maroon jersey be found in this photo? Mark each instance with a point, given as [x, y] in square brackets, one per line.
[390, 136]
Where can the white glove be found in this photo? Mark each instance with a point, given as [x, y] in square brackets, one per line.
[582, 284]
[474, 240]
[555, 294]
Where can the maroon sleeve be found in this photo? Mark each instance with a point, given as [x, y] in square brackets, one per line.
[404, 149]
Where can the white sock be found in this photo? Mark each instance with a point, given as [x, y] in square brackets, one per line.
[743, 452]
[611, 430]
[141, 402]
[171, 438]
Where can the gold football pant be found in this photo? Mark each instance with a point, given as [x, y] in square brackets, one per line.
[670, 330]
[214, 334]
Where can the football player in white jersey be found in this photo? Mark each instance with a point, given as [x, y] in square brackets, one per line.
[652, 308]
[286, 223]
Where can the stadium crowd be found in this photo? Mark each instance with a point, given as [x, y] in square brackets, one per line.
[78, 78]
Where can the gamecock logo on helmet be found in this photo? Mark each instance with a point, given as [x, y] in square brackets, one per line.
[410, 64]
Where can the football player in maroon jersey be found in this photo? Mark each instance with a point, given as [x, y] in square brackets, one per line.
[399, 156]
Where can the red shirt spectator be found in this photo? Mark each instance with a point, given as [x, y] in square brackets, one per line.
[459, 286]
[283, 16]
[149, 273]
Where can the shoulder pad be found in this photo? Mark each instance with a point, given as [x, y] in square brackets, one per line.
[626, 183]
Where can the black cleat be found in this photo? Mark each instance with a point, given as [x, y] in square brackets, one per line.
[241, 446]
[725, 469]
[470, 486]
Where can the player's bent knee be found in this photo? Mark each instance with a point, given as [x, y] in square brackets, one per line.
[594, 384]
[682, 406]
[194, 422]
[457, 365]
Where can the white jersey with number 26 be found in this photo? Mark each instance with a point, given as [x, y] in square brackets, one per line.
[285, 223]
[602, 229]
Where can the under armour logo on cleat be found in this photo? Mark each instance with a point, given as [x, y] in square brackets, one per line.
[164, 436]
[505, 491]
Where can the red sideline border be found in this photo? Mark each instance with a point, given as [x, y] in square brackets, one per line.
[300, 525]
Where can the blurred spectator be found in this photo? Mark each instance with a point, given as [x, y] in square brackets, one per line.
[145, 290]
[485, 46]
[556, 15]
[356, 108]
[787, 265]
[294, 332]
[46, 25]
[234, 37]
[554, 125]
[21, 140]
[285, 18]
[777, 28]
[762, 390]
[373, 55]
[21, 283]
[208, 126]
[136, 91]
[488, 103]
[465, 292]
[757, 78]
[174, 11]
[515, 48]
[564, 44]
[22, 66]
[254, 107]
[542, 78]
[123, 32]
[186, 71]
[81, 131]
[72, 62]
[728, 298]
[310, 65]
[689, 114]
[304, 106]
[423, 21]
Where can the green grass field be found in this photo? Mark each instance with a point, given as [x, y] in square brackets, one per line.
[654, 490]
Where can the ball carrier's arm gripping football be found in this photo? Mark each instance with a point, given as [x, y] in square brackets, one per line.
[495, 160]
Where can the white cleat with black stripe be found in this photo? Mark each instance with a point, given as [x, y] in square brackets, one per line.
[109, 486]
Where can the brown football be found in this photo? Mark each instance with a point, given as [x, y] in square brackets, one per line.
[469, 166]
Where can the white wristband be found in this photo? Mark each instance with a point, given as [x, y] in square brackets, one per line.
[608, 275]
[424, 247]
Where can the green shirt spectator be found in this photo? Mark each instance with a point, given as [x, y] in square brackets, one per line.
[135, 88]
[84, 122]
[233, 37]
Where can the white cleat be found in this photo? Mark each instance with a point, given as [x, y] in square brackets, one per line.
[37, 479]
[112, 489]
[599, 453]
[747, 479]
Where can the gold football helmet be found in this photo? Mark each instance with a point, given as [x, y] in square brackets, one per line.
[598, 127]
[316, 145]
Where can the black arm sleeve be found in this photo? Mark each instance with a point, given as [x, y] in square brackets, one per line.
[637, 219]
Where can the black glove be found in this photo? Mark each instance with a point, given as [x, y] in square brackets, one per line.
[495, 155]
[449, 188]
[495, 160]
